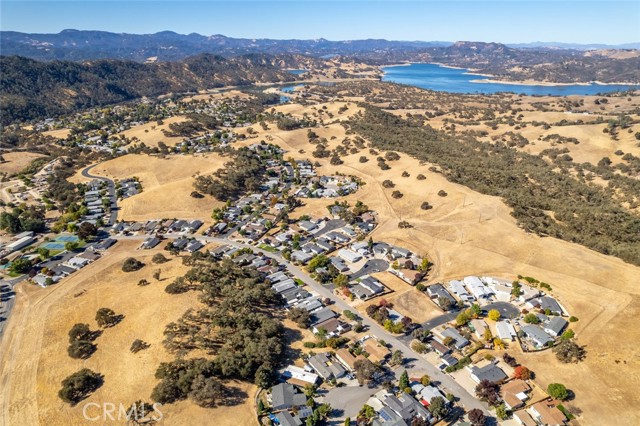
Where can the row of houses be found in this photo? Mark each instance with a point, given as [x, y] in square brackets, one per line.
[155, 227]
[53, 271]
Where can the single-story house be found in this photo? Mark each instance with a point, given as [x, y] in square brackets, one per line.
[460, 341]
[537, 335]
[479, 327]
[377, 352]
[349, 255]
[515, 393]
[325, 367]
[285, 396]
[547, 414]
[347, 359]
[490, 372]
[150, 243]
[322, 315]
[555, 326]
[299, 376]
[505, 330]
[301, 256]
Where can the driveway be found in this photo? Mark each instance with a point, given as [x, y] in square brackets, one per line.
[370, 267]
[507, 310]
[348, 400]
[330, 226]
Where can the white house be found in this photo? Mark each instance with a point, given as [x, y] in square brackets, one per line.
[349, 255]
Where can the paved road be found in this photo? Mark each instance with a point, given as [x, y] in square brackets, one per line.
[331, 225]
[371, 267]
[447, 382]
[7, 300]
[111, 190]
[507, 310]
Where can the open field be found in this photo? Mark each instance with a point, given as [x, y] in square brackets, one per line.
[34, 355]
[166, 182]
[151, 133]
[15, 162]
[58, 134]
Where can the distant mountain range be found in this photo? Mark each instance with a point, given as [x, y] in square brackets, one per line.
[76, 45]
[169, 46]
[576, 46]
[49, 74]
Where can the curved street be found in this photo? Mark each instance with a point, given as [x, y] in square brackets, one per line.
[111, 190]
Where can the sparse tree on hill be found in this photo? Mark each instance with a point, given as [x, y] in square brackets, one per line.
[105, 317]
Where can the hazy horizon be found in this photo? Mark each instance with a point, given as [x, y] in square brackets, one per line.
[514, 22]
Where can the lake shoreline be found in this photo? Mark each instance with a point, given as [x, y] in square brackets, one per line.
[493, 79]
[434, 76]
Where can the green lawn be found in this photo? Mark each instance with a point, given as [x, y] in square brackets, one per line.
[267, 247]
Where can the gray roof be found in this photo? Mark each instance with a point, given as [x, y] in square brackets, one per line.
[489, 372]
[322, 315]
[547, 302]
[387, 417]
[556, 325]
[287, 419]
[438, 291]
[461, 342]
[537, 334]
[406, 406]
[285, 395]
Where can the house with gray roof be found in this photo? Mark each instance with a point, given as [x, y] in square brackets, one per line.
[544, 303]
[387, 417]
[406, 406]
[322, 315]
[490, 372]
[460, 341]
[536, 335]
[326, 368]
[555, 326]
[285, 396]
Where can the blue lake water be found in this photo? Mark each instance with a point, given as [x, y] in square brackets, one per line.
[436, 77]
[296, 72]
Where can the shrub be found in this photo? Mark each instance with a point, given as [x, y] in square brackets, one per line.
[573, 319]
[138, 345]
[426, 206]
[442, 193]
[397, 194]
[421, 177]
[558, 391]
[159, 258]
[388, 184]
[363, 159]
[132, 264]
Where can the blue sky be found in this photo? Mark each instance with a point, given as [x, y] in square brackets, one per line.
[514, 21]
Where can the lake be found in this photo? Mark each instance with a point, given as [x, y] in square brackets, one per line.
[436, 77]
[296, 72]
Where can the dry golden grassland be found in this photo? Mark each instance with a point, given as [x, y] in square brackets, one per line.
[15, 162]
[167, 184]
[34, 356]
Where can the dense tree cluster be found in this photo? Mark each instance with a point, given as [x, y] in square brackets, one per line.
[23, 218]
[582, 213]
[243, 174]
[237, 326]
